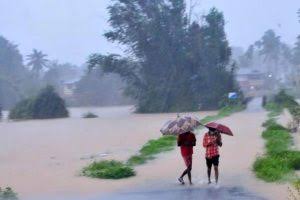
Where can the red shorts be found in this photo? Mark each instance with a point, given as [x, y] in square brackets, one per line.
[188, 160]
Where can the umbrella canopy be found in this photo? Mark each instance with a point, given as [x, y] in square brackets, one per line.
[180, 125]
[220, 127]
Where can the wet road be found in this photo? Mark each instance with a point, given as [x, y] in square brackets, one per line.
[207, 193]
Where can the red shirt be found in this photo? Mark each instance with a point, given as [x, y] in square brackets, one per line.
[186, 141]
[212, 148]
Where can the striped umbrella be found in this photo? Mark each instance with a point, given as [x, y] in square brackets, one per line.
[180, 125]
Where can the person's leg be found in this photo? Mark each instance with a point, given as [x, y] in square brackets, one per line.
[216, 173]
[209, 165]
[185, 172]
[216, 168]
[208, 174]
[190, 174]
[190, 164]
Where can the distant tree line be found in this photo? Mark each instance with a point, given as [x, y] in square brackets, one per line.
[23, 78]
[16, 81]
[172, 63]
[279, 60]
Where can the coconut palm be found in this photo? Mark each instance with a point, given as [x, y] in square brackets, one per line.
[37, 61]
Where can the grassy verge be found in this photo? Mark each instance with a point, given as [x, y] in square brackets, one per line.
[108, 170]
[224, 112]
[279, 162]
[152, 148]
[8, 194]
[118, 170]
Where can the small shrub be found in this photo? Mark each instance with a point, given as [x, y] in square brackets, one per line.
[108, 170]
[90, 115]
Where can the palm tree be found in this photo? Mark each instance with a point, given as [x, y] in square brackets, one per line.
[37, 61]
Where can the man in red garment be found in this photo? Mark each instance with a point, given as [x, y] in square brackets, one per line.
[187, 141]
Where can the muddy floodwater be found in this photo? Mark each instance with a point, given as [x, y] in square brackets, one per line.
[42, 159]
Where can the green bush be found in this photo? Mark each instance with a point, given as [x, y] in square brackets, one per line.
[277, 141]
[90, 115]
[23, 110]
[270, 168]
[108, 170]
[8, 194]
[46, 105]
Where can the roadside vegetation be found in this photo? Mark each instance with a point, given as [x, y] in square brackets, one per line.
[279, 162]
[108, 170]
[46, 105]
[8, 194]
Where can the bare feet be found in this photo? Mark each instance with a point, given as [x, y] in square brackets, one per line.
[181, 180]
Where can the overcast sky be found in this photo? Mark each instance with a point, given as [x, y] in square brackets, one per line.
[70, 30]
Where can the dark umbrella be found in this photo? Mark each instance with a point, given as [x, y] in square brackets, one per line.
[220, 127]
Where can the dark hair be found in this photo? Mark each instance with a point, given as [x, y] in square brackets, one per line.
[211, 129]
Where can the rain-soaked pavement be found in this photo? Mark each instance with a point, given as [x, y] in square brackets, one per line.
[187, 193]
[178, 192]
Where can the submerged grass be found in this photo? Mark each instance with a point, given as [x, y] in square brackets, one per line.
[224, 112]
[152, 148]
[108, 170]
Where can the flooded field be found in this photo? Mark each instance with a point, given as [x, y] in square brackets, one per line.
[44, 157]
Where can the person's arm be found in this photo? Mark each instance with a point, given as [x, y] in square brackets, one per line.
[194, 140]
[219, 140]
[205, 141]
[179, 141]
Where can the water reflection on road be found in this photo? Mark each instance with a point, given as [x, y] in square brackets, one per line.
[207, 193]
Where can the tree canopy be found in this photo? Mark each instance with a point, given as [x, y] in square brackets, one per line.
[15, 79]
[46, 105]
[37, 61]
[171, 65]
